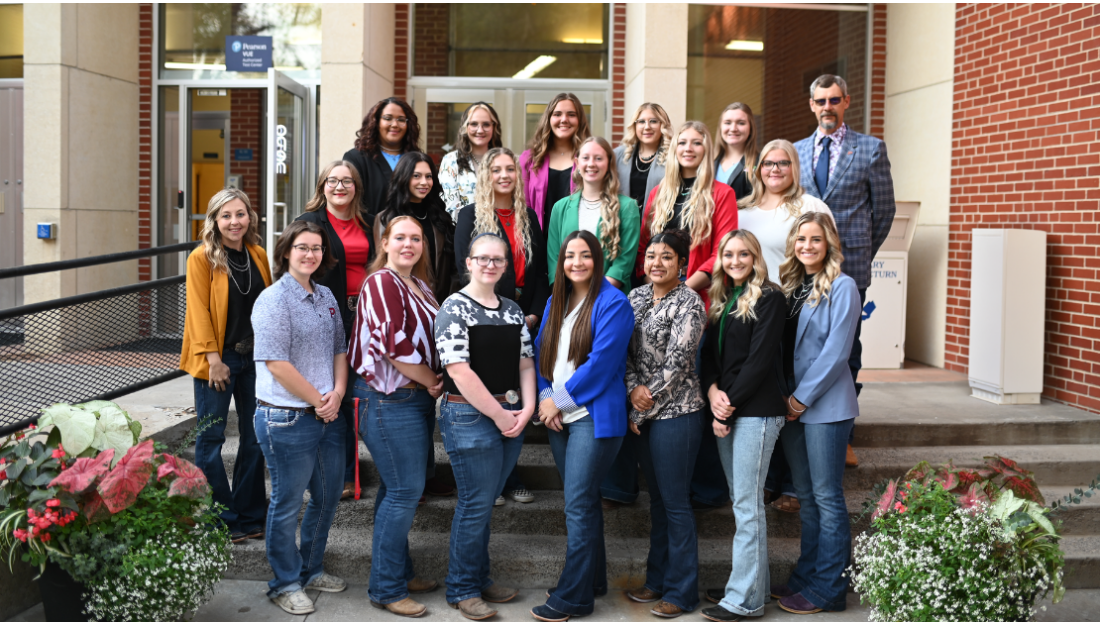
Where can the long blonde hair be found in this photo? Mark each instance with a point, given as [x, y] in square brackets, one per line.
[792, 197]
[540, 143]
[485, 218]
[212, 237]
[630, 137]
[698, 210]
[721, 290]
[610, 220]
[792, 271]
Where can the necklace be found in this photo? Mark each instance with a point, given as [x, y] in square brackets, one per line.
[403, 276]
[506, 219]
[591, 205]
[800, 299]
[246, 267]
[642, 161]
[420, 217]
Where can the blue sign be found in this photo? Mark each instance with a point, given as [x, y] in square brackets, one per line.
[867, 310]
[247, 54]
[242, 154]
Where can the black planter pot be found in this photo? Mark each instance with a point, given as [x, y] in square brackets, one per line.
[62, 596]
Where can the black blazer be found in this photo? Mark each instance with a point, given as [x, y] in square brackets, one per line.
[740, 183]
[375, 173]
[536, 288]
[336, 279]
[748, 370]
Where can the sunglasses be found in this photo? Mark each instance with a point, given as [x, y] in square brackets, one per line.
[833, 101]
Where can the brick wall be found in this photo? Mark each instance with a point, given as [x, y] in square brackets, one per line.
[246, 132]
[431, 57]
[401, 50]
[618, 70]
[145, 136]
[1026, 154]
[877, 97]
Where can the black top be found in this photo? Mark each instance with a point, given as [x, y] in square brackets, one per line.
[556, 189]
[336, 279]
[536, 288]
[245, 284]
[678, 208]
[416, 210]
[638, 178]
[747, 369]
[742, 188]
[491, 340]
[790, 328]
[375, 173]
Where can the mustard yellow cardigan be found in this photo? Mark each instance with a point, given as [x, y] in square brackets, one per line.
[207, 303]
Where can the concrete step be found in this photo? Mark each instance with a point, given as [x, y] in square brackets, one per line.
[536, 561]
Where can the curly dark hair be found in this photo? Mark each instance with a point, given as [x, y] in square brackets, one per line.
[397, 199]
[367, 140]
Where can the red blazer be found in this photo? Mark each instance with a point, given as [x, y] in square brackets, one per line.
[703, 255]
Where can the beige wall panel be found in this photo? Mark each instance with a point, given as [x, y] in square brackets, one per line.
[920, 45]
[49, 33]
[46, 127]
[380, 31]
[667, 87]
[102, 232]
[926, 301]
[107, 40]
[342, 38]
[103, 168]
[918, 137]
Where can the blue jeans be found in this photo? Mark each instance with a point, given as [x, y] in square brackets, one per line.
[746, 453]
[301, 452]
[668, 448]
[707, 485]
[583, 461]
[621, 483]
[779, 474]
[397, 429]
[482, 458]
[246, 504]
[816, 455]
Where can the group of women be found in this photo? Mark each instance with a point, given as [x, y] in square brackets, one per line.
[619, 297]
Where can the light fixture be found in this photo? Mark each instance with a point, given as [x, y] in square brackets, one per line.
[210, 66]
[581, 40]
[536, 66]
[746, 46]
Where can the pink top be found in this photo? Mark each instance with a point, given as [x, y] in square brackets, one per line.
[392, 321]
[535, 183]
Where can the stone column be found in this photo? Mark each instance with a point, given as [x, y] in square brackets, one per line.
[80, 142]
[357, 65]
[656, 58]
[920, 67]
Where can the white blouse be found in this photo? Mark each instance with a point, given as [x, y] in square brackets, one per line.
[563, 367]
[771, 228]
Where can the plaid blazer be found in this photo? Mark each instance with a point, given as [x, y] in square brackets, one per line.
[860, 195]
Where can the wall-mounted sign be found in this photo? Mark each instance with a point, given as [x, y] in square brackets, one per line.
[242, 154]
[282, 147]
[247, 54]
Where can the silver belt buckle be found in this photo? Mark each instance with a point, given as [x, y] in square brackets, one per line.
[512, 397]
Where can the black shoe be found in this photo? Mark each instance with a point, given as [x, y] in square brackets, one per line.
[595, 593]
[546, 613]
[699, 506]
[714, 595]
[721, 615]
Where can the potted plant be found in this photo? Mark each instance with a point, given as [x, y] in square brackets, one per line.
[119, 529]
[958, 545]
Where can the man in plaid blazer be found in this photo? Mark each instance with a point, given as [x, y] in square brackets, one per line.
[850, 172]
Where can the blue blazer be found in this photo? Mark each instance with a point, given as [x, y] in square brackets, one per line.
[822, 379]
[599, 384]
[860, 195]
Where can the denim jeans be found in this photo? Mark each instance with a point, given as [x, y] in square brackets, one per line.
[512, 482]
[482, 458]
[816, 453]
[779, 474]
[301, 452]
[707, 484]
[583, 461]
[667, 450]
[621, 483]
[246, 504]
[746, 453]
[397, 429]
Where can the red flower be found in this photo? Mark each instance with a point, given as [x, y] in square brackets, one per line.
[20, 534]
[899, 507]
[3, 474]
[53, 503]
[59, 452]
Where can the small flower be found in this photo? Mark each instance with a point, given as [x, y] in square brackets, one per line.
[53, 503]
[899, 507]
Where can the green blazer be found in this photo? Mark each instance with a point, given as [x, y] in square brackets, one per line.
[565, 219]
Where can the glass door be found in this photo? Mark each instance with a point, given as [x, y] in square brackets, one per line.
[288, 168]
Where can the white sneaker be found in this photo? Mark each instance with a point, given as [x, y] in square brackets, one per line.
[522, 495]
[327, 583]
[499, 501]
[296, 602]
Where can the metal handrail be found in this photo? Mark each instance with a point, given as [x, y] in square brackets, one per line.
[90, 261]
[84, 298]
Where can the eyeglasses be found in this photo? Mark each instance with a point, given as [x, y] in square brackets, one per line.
[768, 165]
[399, 120]
[833, 101]
[648, 122]
[305, 249]
[485, 261]
[332, 183]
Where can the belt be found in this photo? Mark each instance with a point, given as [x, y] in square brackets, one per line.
[414, 385]
[511, 397]
[246, 346]
[310, 410]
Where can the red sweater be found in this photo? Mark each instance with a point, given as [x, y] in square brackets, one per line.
[702, 256]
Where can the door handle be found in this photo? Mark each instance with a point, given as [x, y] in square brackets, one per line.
[179, 200]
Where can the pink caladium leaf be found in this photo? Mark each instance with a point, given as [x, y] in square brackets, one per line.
[121, 486]
[168, 466]
[949, 481]
[1025, 488]
[886, 502]
[188, 480]
[94, 508]
[973, 498]
[84, 473]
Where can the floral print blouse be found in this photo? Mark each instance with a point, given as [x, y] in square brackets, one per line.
[458, 186]
[662, 351]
